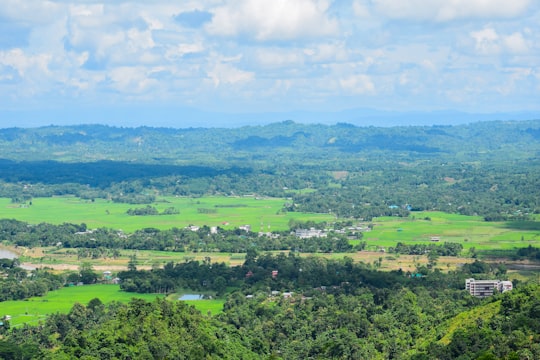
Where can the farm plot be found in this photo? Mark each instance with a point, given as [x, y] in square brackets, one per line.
[262, 214]
[429, 227]
[33, 310]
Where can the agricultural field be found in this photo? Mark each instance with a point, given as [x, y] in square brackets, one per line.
[33, 310]
[263, 214]
[470, 231]
[146, 259]
[62, 259]
[205, 306]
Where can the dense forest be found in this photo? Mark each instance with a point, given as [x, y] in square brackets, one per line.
[490, 169]
[314, 308]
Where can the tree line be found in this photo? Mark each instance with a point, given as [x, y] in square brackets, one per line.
[99, 241]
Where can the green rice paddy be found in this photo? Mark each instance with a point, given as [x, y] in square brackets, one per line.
[263, 214]
[36, 309]
[228, 212]
[33, 310]
[470, 231]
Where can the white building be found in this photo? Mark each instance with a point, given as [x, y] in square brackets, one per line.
[246, 228]
[484, 288]
[309, 233]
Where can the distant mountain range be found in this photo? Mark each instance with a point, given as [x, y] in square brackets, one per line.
[177, 117]
[280, 140]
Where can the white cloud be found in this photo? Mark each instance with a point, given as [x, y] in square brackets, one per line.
[279, 57]
[25, 64]
[113, 35]
[361, 8]
[180, 50]
[328, 52]
[36, 12]
[227, 74]
[140, 39]
[489, 42]
[358, 84]
[486, 41]
[89, 29]
[515, 43]
[448, 10]
[404, 78]
[281, 53]
[131, 79]
[273, 20]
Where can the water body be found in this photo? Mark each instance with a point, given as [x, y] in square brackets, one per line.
[6, 254]
[191, 297]
[530, 267]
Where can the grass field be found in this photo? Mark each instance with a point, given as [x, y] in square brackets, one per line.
[470, 231]
[37, 308]
[60, 259]
[33, 310]
[206, 306]
[263, 214]
[420, 227]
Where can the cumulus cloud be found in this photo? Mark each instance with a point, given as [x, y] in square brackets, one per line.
[515, 43]
[225, 73]
[273, 20]
[24, 63]
[131, 80]
[279, 57]
[35, 12]
[361, 8]
[113, 36]
[445, 10]
[358, 84]
[178, 51]
[328, 52]
[284, 53]
[487, 41]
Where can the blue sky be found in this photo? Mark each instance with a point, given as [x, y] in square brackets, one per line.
[183, 63]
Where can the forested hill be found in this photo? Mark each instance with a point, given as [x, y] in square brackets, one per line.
[487, 168]
[88, 143]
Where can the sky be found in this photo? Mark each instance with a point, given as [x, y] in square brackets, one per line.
[225, 62]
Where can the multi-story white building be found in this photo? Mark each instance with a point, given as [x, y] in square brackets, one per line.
[484, 288]
[309, 233]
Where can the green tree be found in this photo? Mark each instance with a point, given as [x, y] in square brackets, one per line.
[220, 285]
[87, 273]
[132, 264]
[433, 257]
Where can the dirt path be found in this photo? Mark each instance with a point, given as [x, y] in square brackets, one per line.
[60, 267]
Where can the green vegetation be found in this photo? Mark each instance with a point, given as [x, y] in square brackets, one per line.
[260, 213]
[489, 169]
[205, 306]
[312, 308]
[469, 319]
[36, 309]
[409, 195]
[469, 231]
[136, 330]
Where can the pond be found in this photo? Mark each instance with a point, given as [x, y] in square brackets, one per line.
[5, 254]
[191, 297]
